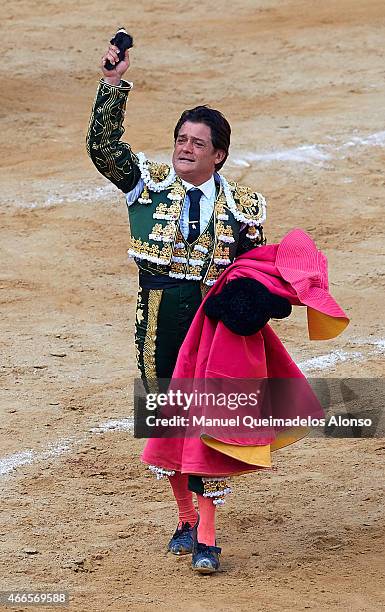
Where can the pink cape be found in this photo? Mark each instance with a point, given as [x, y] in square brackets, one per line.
[293, 269]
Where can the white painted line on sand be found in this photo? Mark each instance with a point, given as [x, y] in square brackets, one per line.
[314, 154]
[305, 154]
[329, 360]
[27, 457]
[11, 462]
[323, 362]
[114, 425]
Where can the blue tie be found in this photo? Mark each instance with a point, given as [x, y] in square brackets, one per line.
[194, 214]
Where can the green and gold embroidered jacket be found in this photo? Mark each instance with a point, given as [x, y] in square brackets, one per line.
[157, 243]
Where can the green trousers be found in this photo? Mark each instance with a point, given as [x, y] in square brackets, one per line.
[163, 318]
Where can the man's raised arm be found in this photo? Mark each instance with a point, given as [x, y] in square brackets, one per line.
[114, 159]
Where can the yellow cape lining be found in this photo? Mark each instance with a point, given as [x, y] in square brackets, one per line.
[323, 327]
[257, 455]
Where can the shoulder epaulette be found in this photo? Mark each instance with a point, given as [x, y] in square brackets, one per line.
[156, 176]
[158, 172]
[250, 204]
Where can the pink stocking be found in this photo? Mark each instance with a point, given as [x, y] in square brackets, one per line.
[184, 499]
[206, 527]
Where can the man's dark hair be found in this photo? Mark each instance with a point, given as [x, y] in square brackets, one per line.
[219, 126]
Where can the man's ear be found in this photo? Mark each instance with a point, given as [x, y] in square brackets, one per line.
[219, 155]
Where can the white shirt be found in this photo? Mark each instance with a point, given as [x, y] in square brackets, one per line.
[206, 203]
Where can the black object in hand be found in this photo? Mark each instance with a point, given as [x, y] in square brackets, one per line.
[123, 41]
[245, 306]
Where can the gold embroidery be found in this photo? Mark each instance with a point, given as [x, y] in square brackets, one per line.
[169, 230]
[177, 270]
[139, 245]
[166, 251]
[204, 241]
[212, 274]
[160, 210]
[247, 201]
[179, 251]
[221, 202]
[223, 238]
[221, 208]
[178, 192]
[232, 185]
[154, 299]
[170, 212]
[158, 172]
[156, 231]
[222, 252]
[224, 232]
[194, 272]
[153, 250]
[204, 290]
[179, 238]
[216, 488]
[145, 196]
[162, 233]
[139, 319]
[155, 253]
[241, 191]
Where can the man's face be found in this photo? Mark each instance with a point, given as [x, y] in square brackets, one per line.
[194, 156]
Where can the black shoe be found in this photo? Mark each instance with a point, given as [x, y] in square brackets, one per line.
[181, 542]
[205, 559]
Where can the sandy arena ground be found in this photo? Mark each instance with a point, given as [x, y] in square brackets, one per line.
[302, 83]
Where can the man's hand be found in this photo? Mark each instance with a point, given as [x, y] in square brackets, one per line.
[114, 76]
